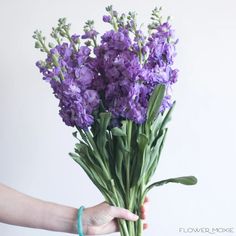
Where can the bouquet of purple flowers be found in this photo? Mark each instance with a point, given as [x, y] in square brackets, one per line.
[116, 91]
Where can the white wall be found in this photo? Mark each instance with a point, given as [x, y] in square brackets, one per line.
[202, 136]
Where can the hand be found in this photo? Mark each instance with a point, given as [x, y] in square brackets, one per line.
[101, 219]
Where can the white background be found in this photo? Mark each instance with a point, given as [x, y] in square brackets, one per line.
[34, 142]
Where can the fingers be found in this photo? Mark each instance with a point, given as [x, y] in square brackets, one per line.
[145, 226]
[122, 213]
[143, 216]
[143, 212]
[146, 199]
[143, 208]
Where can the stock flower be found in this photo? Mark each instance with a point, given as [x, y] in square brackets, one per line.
[77, 99]
[75, 38]
[121, 71]
[114, 82]
[90, 34]
[84, 76]
[128, 82]
[106, 18]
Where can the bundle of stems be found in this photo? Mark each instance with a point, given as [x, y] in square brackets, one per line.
[120, 161]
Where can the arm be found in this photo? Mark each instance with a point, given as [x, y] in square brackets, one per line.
[19, 209]
[22, 210]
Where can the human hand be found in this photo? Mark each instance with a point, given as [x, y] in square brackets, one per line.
[101, 219]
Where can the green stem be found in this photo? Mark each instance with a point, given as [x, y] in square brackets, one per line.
[115, 193]
[54, 59]
[128, 190]
[123, 228]
[140, 56]
[69, 38]
[129, 137]
[114, 23]
[94, 42]
[58, 40]
[140, 228]
[140, 202]
[92, 143]
[122, 224]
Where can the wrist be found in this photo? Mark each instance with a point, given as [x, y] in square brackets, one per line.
[85, 221]
[60, 218]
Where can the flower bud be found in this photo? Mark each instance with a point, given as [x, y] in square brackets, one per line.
[106, 18]
[51, 45]
[37, 45]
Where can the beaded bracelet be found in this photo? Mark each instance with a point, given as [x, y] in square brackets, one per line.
[79, 221]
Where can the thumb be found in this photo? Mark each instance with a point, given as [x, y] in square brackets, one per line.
[122, 213]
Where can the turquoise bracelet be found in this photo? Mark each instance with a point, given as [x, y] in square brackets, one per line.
[79, 221]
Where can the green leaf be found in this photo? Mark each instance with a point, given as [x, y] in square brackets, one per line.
[102, 137]
[186, 180]
[119, 173]
[154, 154]
[155, 127]
[97, 177]
[142, 142]
[82, 149]
[75, 134]
[120, 153]
[159, 125]
[157, 136]
[73, 155]
[118, 132]
[83, 136]
[86, 153]
[167, 116]
[94, 172]
[155, 102]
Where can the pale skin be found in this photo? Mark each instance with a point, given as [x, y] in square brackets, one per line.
[22, 210]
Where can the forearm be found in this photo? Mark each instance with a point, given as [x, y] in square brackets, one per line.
[19, 209]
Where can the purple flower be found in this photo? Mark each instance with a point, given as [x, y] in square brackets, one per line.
[42, 66]
[83, 55]
[106, 19]
[84, 76]
[90, 34]
[117, 40]
[107, 36]
[75, 38]
[139, 36]
[76, 105]
[145, 50]
[92, 99]
[165, 30]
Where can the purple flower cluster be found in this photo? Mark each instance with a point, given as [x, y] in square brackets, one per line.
[77, 98]
[120, 72]
[128, 82]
